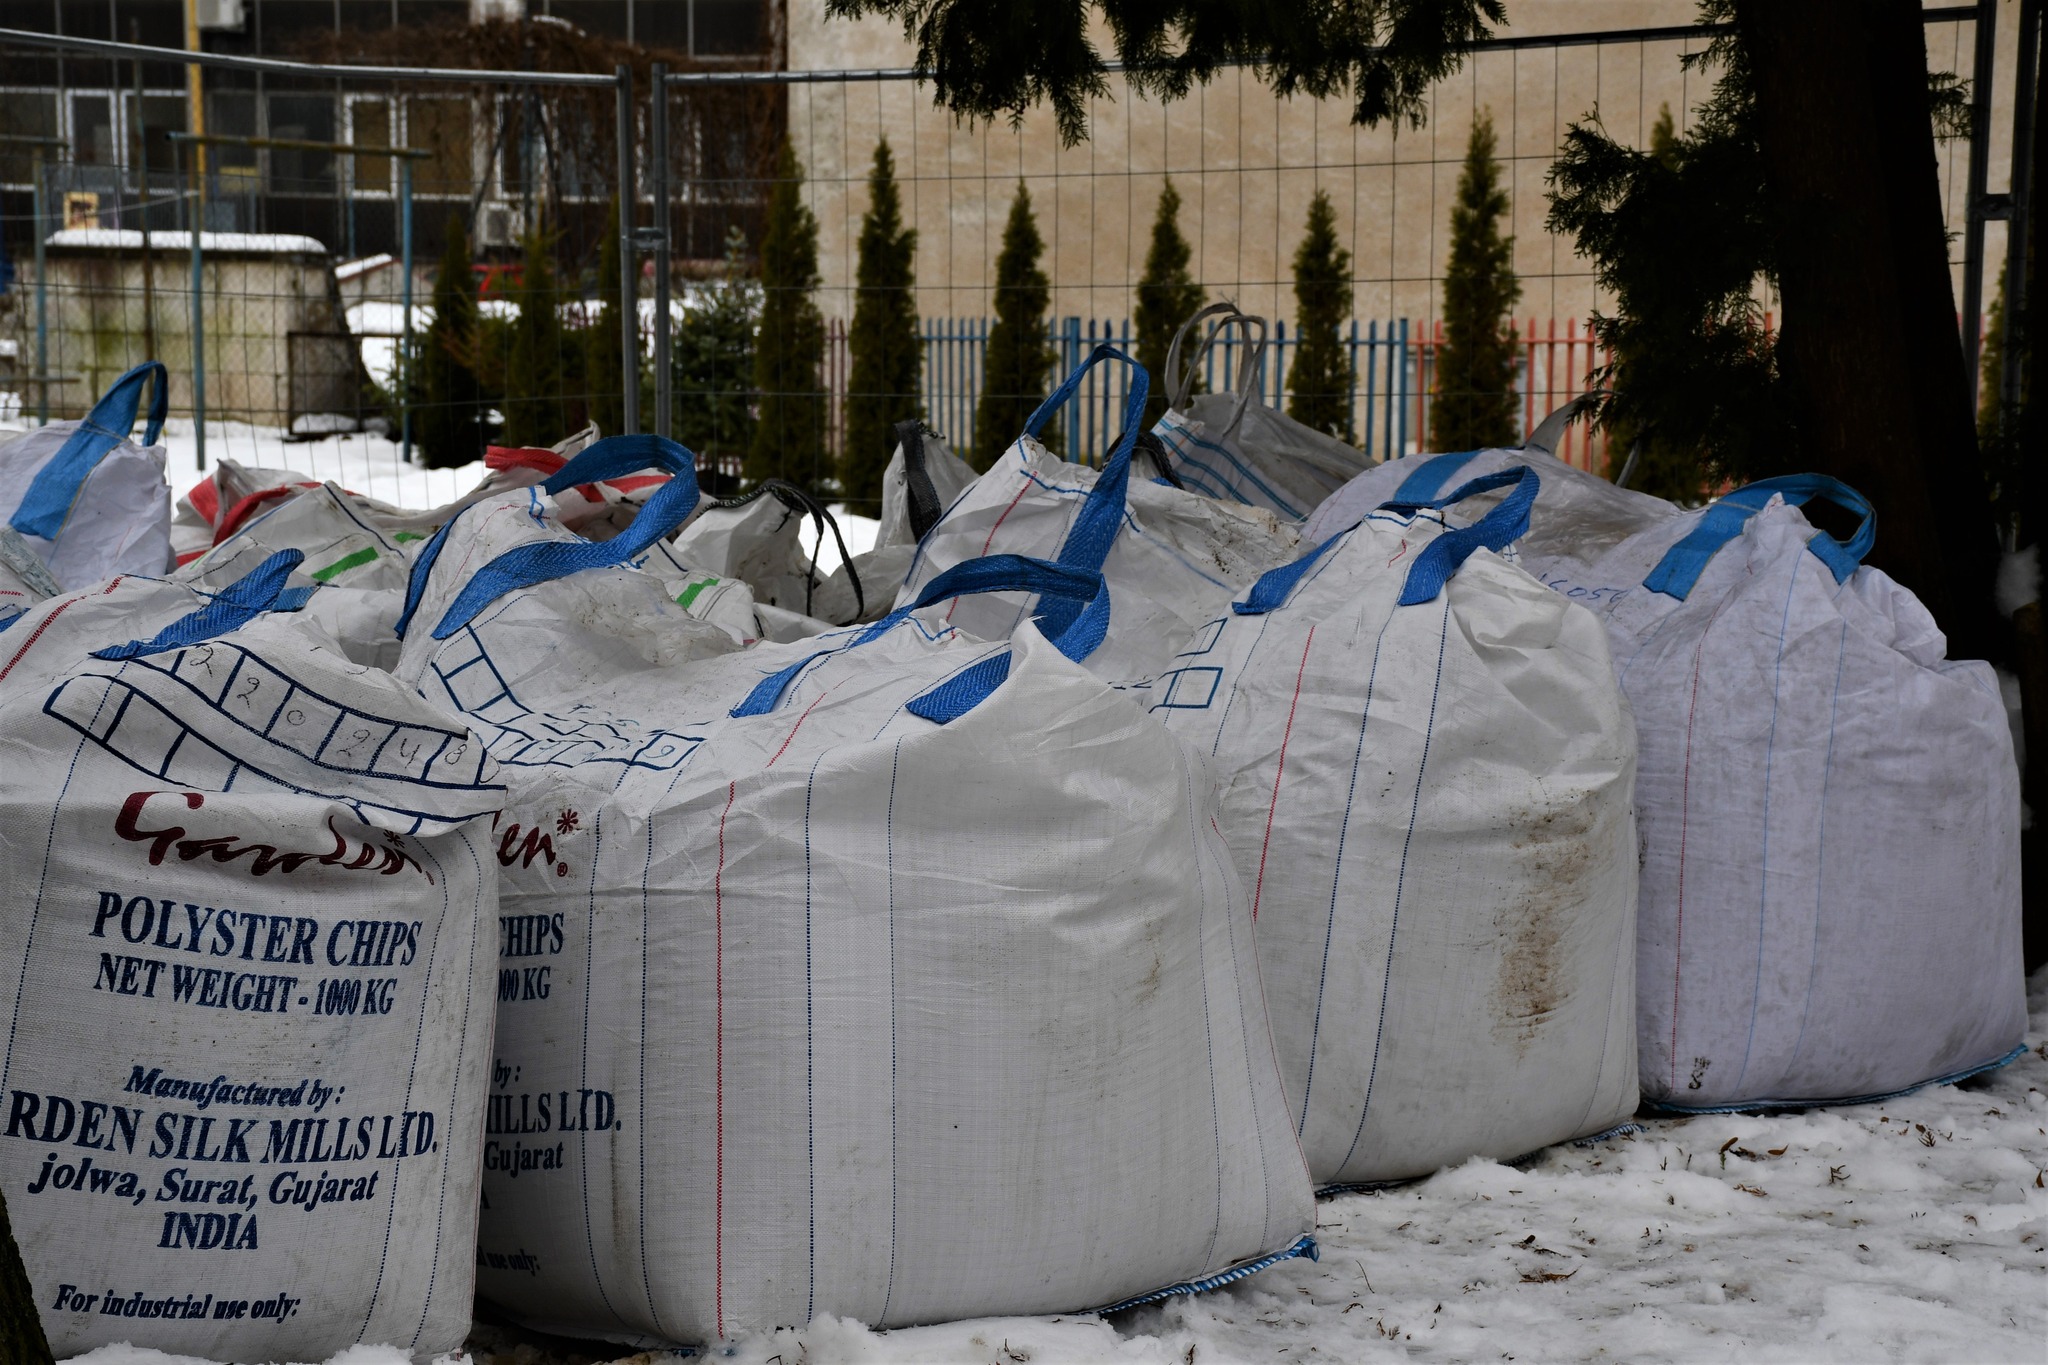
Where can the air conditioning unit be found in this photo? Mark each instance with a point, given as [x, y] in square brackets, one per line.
[219, 14]
[497, 225]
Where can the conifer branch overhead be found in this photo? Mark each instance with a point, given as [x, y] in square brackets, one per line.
[990, 58]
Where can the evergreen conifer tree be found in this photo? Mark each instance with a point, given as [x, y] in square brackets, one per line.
[887, 355]
[534, 413]
[1321, 377]
[789, 435]
[1474, 405]
[1167, 297]
[603, 357]
[714, 360]
[447, 400]
[1013, 368]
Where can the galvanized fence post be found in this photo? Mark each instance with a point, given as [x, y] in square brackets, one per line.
[629, 261]
[664, 379]
[401, 368]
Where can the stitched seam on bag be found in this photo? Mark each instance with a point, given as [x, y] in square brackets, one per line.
[1279, 770]
[1023, 487]
[1763, 896]
[1684, 820]
[718, 1071]
[1820, 866]
[1401, 880]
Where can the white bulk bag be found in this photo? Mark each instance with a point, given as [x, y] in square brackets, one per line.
[921, 481]
[24, 578]
[90, 502]
[1577, 518]
[250, 959]
[843, 977]
[1174, 559]
[1229, 446]
[758, 539]
[1427, 772]
[1829, 809]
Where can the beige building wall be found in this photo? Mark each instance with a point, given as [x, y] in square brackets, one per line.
[1247, 163]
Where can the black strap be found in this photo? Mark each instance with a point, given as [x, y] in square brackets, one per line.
[924, 497]
[1154, 449]
[801, 502]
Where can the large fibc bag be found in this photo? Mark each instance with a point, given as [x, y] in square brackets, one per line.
[87, 500]
[757, 538]
[893, 975]
[1577, 517]
[1427, 770]
[1229, 445]
[921, 480]
[249, 960]
[24, 578]
[1174, 558]
[1829, 809]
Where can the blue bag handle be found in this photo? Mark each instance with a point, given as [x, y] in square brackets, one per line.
[525, 565]
[1094, 530]
[1684, 562]
[961, 693]
[55, 489]
[1499, 528]
[1428, 480]
[260, 590]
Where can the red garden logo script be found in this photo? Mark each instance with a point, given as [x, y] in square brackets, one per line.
[388, 858]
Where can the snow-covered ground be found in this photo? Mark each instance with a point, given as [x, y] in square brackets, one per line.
[1915, 1229]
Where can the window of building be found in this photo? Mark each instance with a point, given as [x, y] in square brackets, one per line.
[26, 113]
[369, 125]
[302, 118]
[441, 127]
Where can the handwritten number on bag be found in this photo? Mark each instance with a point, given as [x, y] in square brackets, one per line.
[249, 691]
[354, 741]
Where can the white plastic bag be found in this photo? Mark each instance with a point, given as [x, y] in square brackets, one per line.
[1427, 771]
[86, 499]
[249, 981]
[1829, 808]
[1174, 559]
[892, 975]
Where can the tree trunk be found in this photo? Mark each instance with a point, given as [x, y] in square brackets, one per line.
[21, 1329]
[1869, 348]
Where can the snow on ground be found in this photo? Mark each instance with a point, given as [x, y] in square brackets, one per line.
[1915, 1229]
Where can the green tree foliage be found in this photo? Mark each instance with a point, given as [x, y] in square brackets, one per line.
[1662, 468]
[534, 369]
[714, 360]
[1474, 405]
[887, 355]
[1320, 380]
[1167, 297]
[1019, 354]
[997, 57]
[789, 436]
[1679, 239]
[447, 400]
[603, 356]
[1682, 238]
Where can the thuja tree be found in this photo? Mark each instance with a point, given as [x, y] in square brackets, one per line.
[1019, 354]
[534, 372]
[789, 435]
[447, 399]
[603, 352]
[1320, 380]
[1167, 296]
[1474, 405]
[714, 361]
[887, 356]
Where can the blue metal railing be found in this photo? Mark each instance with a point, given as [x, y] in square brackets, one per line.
[1386, 370]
